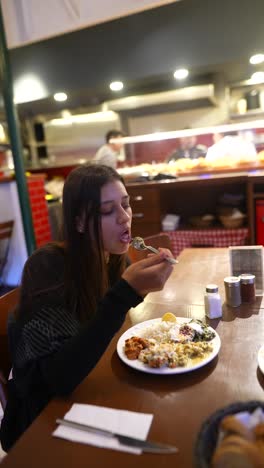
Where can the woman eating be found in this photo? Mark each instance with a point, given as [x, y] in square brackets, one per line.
[74, 296]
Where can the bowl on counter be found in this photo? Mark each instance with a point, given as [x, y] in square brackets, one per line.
[207, 438]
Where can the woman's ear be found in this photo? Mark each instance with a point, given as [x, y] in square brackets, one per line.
[80, 224]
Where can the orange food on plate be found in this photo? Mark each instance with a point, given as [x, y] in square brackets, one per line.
[134, 345]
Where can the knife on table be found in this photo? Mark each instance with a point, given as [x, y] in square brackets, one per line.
[144, 445]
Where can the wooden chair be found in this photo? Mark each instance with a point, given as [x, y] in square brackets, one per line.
[6, 230]
[158, 240]
[7, 303]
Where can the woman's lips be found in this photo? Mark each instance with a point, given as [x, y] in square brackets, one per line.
[125, 237]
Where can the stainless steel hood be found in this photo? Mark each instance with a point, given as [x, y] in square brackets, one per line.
[192, 96]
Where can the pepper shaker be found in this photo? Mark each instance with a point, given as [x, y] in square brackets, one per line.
[232, 291]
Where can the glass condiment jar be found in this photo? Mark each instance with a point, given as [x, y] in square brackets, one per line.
[247, 287]
[212, 302]
[232, 291]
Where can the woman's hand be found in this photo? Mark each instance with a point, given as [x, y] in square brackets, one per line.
[150, 274]
[167, 252]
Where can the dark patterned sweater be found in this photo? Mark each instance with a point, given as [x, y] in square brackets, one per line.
[53, 352]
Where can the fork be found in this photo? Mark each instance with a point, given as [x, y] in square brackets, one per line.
[139, 244]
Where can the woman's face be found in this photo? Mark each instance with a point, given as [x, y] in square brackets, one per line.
[116, 216]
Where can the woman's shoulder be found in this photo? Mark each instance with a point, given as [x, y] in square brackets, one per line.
[44, 267]
[48, 253]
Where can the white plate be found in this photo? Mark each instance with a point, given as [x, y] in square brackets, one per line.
[261, 358]
[136, 364]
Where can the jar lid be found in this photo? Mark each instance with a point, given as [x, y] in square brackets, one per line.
[211, 288]
[232, 280]
[247, 278]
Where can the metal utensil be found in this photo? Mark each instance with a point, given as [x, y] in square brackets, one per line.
[139, 244]
[144, 445]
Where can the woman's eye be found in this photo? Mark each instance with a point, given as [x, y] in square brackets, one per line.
[105, 213]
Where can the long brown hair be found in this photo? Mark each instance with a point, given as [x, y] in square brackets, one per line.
[74, 272]
[87, 273]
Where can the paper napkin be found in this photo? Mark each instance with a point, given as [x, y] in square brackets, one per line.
[128, 423]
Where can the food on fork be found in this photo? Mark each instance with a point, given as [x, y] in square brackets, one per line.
[139, 244]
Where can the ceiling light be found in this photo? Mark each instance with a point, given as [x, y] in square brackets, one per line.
[257, 77]
[256, 59]
[116, 86]
[181, 74]
[60, 97]
[29, 88]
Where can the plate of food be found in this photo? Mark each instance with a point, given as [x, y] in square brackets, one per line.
[168, 345]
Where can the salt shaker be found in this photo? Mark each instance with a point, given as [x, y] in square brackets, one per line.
[212, 302]
[232, 291]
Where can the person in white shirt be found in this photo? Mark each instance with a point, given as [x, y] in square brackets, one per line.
[108, 153]
[238, 147]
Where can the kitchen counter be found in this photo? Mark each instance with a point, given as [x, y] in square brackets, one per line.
[193, 195]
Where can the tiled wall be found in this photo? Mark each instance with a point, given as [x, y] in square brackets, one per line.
[39, 209]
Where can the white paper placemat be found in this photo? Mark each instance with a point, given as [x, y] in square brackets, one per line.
[128, 423]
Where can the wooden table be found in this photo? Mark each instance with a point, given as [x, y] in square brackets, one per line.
[180, 403]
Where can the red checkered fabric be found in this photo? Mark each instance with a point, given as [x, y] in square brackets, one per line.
[206, 238]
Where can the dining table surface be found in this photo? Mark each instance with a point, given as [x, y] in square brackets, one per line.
[180, 403]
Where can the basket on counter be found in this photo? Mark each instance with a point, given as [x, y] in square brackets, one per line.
[201, 222]
[207, 438]
[230, 222]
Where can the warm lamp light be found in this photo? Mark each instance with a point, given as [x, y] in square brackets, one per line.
[60, 97]
[257, 77]
[181, 74]
[256, 59]
[116, 85]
